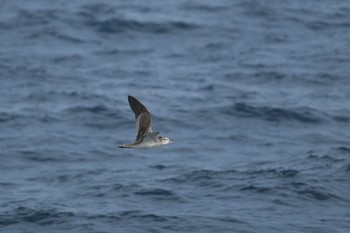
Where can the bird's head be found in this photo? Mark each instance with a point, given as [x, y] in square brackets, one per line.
[164, 140]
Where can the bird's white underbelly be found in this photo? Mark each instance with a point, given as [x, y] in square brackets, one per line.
[145, 145]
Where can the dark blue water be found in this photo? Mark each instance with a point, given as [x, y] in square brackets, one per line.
[255, 95]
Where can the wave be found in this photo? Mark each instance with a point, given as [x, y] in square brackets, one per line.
[316, 194]
[208, 177]
[108, 190]
[7, 117]
[303, 115]
[325, 24]
[253, 188]
[158, 193]
[161, 166]
[98, 110]
[120, 25]
[40, 23]
[199, 175]
[325, 158]
[38, 216]
[23, 118]
[343, 149]
[95, 109]
[290, 191]
[28, 18]
[278, 182]
[136, 215]
[347, 169]
[97, 116]
[122, 190]
[203, 7]
[277, 172]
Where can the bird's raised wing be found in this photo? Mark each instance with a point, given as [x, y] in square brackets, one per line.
[143, 118]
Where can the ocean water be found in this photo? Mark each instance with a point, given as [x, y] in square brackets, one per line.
[255, 95]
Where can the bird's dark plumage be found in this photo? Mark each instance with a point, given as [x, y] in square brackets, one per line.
[143, 119]
[136, 106]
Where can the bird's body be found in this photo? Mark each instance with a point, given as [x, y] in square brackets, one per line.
[145, 138]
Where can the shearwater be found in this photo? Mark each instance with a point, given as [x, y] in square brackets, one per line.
[145, 137]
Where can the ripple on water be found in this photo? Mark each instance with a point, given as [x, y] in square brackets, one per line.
[38, 216]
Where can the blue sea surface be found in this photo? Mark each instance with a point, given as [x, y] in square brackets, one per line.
[255, 95]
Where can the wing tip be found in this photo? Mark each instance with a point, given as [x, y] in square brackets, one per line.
[133, 101]
[131, 97]
[136, 106]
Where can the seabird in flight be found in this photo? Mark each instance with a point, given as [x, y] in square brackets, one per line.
[145, 138]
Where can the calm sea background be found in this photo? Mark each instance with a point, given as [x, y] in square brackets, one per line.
[254, 93]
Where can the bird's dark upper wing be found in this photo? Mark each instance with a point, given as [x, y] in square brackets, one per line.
[136, 106]
[143, 119]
